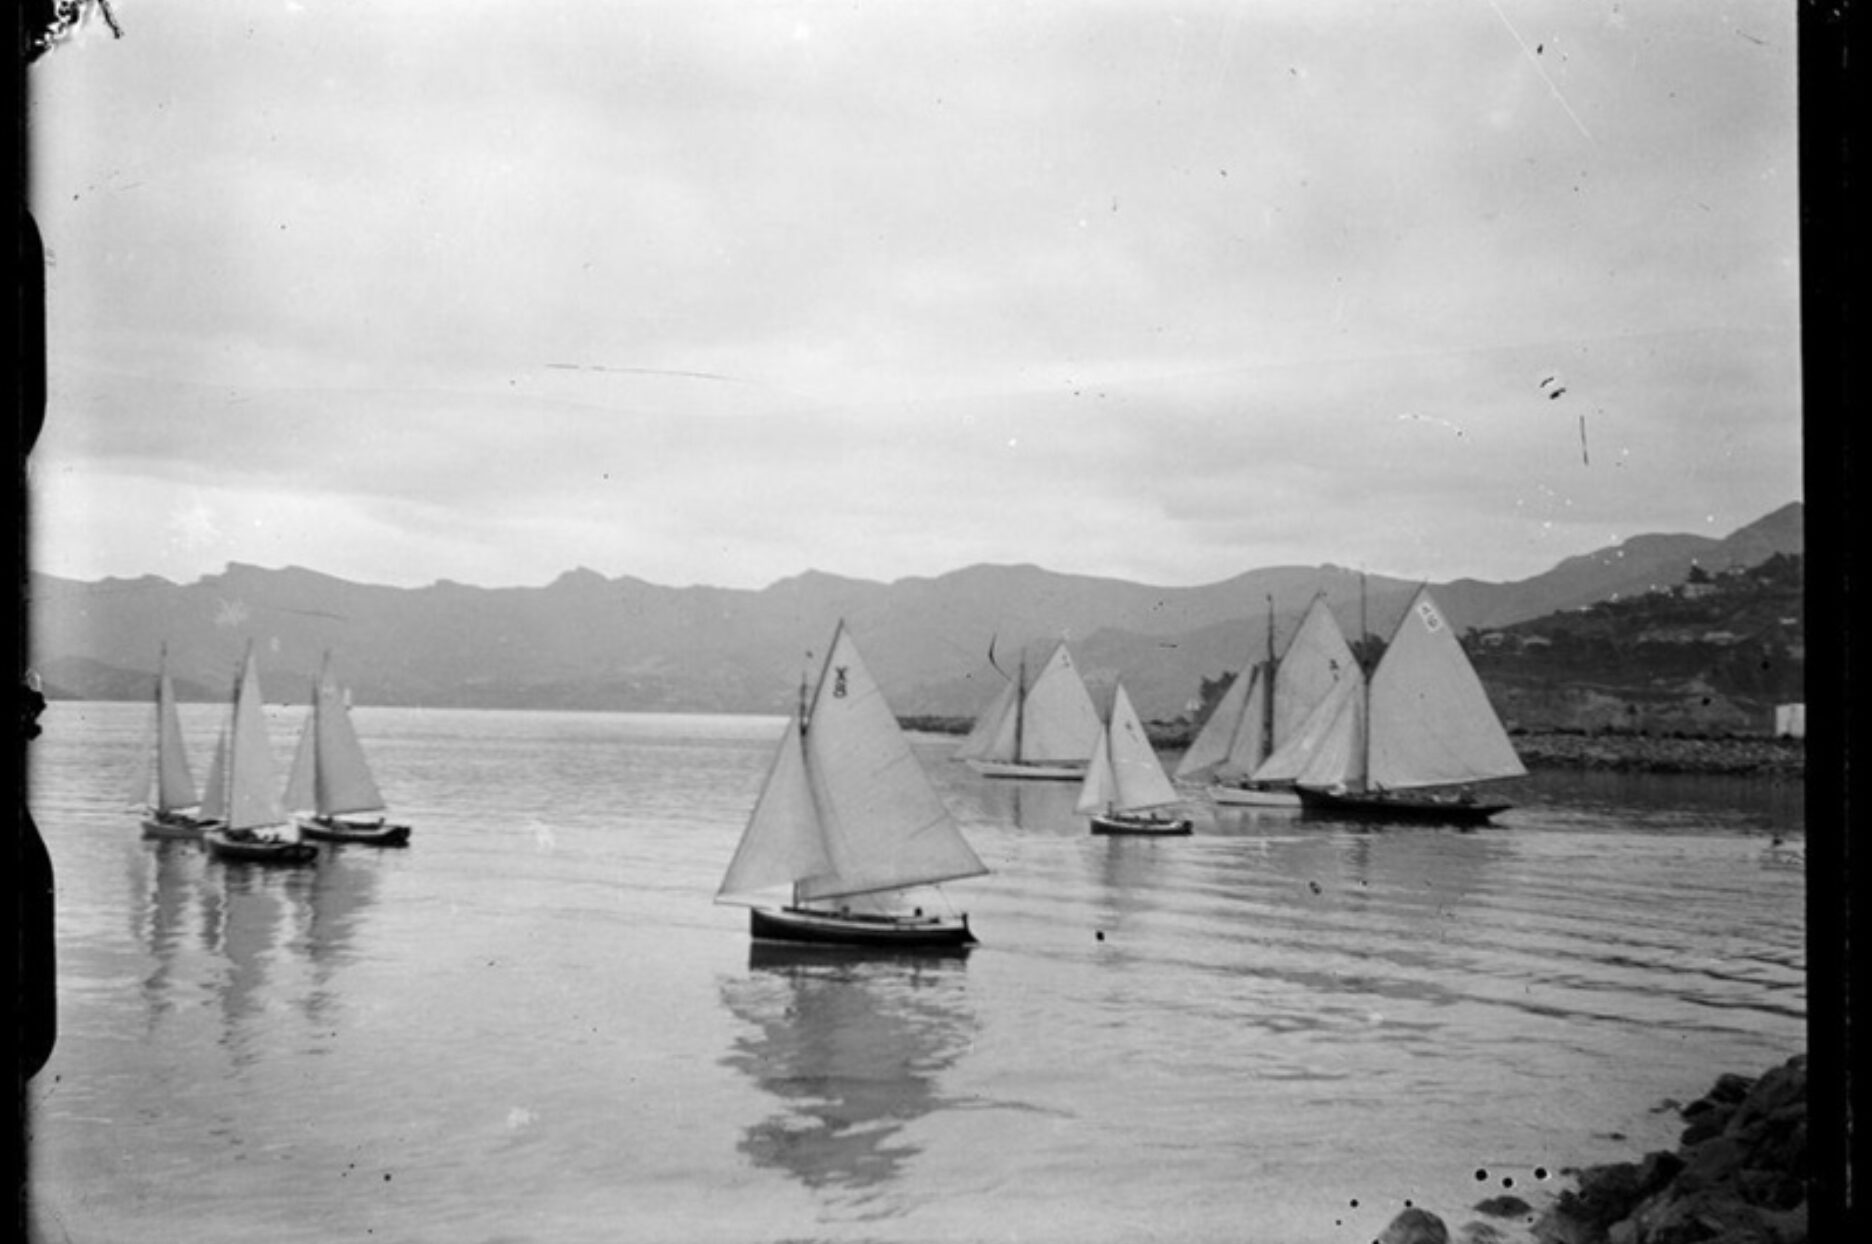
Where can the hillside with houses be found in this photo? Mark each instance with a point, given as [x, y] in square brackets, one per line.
[1715, 654]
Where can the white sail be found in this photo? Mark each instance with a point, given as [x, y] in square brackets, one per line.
[1246, 730]
[847, 809]
[995, 721]
[1250, 743]
[1216, 740]
[302, 778]
[1316, 753]
[1125, 774]
[214, 793]
[1315, 660]
[782, 844]
[1332, 754]
[330, 775]
[1058, 721]
[1431, 720]
[253, 789]
[170, 784]
[344, 783]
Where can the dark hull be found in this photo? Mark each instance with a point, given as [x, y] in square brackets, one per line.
[377, 834]
[829, 930]
[1399, 808]
[235, 849]
[1141, 825]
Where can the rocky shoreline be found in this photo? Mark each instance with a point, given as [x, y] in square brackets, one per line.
[1740, 1175]
[1638, 753]
[1737, 755]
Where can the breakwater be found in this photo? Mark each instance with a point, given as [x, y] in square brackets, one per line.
[1643, 753]
[1631, 752]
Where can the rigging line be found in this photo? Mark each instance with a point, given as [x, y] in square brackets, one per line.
[1534, 60]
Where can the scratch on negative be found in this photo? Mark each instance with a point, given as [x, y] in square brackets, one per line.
[1535, 61]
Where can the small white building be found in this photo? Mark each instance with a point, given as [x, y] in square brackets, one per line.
[1790, 721]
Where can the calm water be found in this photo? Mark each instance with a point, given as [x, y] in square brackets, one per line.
[534, 1024]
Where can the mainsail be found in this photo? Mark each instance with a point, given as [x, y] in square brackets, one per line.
[252, 780]
[170, 776]
[214, 794]
[1125, 774]
[1234, 733]
[1431, 723]
[989, 726]
[330, 774]
[1317, 659]
[846, 808]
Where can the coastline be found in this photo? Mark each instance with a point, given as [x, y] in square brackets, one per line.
[1778, 759]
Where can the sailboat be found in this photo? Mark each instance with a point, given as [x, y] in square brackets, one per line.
[1043, 729]
[1408, 743]
[1264, 707]
[848, 830]
[172, 809]
[254, 828]
[331, 790]
[1126, 786]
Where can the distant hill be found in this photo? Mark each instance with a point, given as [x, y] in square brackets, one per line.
[588, 642]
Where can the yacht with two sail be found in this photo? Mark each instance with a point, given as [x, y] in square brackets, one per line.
[1264, 706]
[1126, 789]
[166, 789]
[1044, 729]
[244, 789]
[331, 791]
[849, 841]
[1409, 743]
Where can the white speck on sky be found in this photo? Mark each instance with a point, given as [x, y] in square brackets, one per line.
[709, 292]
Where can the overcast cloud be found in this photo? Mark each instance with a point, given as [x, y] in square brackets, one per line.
[721, 292]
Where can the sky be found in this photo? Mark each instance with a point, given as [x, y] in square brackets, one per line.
[719, 293]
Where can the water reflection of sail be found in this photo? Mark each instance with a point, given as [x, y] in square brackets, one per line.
[854, 1051]
[159, 905]
[338, 893]
[1132, 877]
[1421, 876]
[1044, 808]
[248, 935]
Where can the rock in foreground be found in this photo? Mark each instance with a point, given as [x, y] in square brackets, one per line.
[1739, 1175]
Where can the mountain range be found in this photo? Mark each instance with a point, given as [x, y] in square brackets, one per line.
[585, 641]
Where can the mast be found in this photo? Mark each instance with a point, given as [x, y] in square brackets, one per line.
[1020, 704]
[793, 894]
[1365, 698]
[1267, 698]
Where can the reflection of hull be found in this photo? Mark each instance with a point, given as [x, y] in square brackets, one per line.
[779, 956]
[797, 927]
[1400, 807]
[1155, 824]
[242, 846]
[378, 833]
[176, 825]
[1252, 796]
[1052, 771]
